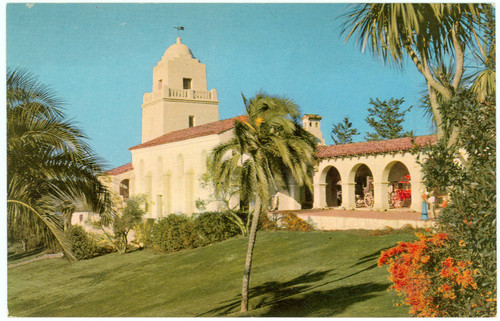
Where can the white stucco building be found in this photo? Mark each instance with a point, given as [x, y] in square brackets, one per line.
[180, 127]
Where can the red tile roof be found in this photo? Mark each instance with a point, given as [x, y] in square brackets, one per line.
[119, 170]
[392, 145]
[216, 127]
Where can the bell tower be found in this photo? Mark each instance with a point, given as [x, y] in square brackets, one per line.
[179, 98]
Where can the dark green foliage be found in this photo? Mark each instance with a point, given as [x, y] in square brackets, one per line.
[471, 216]
[177, 231]
[214, 227]
[343, 132]
[174, 233]
[386, 119]
[49, 162]
[23, 240]
[82, 245]
[439, 168]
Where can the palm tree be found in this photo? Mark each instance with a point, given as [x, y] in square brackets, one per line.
[268, 144]
[425, 33]
[484, 80]
[48, 161]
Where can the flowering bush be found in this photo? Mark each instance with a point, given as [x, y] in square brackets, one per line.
[268, 224]
[466, 171]
[287, 221]
[434, 282]
[292, 222]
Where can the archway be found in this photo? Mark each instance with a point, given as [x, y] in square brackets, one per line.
[363, 186]
[399, 189]
[333, 188]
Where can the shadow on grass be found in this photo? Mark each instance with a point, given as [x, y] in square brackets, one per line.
[275, 298]
[323, 303]
[17, 256]
[276, 290]
[372, 257]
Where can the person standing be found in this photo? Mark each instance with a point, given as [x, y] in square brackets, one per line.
[432, 205]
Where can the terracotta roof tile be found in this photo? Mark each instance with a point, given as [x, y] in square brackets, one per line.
[216, 127]
[391, 145]
[121, 169]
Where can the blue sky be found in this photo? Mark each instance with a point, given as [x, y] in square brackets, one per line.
[99, 59]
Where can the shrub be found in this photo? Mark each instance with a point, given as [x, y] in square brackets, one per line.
[82, 244]
[144, 234]
[292, 222]
[173, 233]
[267, 224]
[287, 221]
[214, 227]
[470, 217]
[435, 280]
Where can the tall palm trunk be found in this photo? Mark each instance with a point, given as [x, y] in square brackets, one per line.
[248, 263]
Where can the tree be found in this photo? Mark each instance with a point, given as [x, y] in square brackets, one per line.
[343, 132]
[463, 109]
[386, 118]
[125, 217]
[427, 34]
[48, 162]
[131, 217]
[267, 146]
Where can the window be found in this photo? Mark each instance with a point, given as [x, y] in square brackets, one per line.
[160, 83]
[186, 83]
[191, 121]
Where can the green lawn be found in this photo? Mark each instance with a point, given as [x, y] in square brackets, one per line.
[311, 274]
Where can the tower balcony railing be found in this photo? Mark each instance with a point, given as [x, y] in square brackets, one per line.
[187, 94]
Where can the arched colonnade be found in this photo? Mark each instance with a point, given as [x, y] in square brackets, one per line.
[380, 181]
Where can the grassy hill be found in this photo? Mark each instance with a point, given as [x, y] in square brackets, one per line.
[310, 274]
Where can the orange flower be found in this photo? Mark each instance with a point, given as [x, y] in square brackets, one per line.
[425, 259]
[445, 287]
[448, 262]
